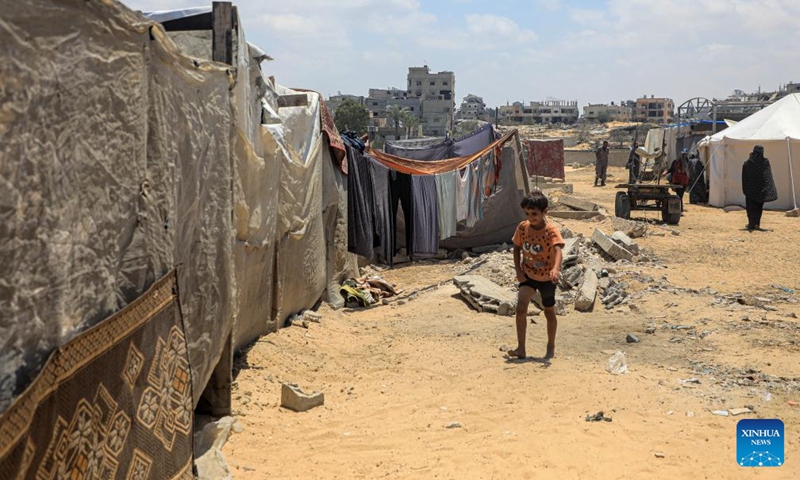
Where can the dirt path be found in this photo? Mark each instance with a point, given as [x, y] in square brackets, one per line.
[395, 377]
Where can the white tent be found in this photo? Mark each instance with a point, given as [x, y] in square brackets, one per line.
[777, 129]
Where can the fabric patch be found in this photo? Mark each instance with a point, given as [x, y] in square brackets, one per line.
[92, 413]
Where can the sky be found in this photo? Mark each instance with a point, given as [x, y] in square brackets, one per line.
[526, 50]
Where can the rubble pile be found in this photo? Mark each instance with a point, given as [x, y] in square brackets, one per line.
[588, 271]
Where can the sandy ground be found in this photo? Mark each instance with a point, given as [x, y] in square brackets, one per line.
[395, 377]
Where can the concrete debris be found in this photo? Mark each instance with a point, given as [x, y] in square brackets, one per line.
[587, 293]
[614, 295]
[597, 417]
[312, 316]
[573, 215]
[721, 413]
[610, 247]
[631, 338]
[485, 295]
[739, 411]
[486, 249]
[579, 203]
[617, 364]
[630, 228]
[211, 464]
[295, 399]
[572, 277]
[625, 242]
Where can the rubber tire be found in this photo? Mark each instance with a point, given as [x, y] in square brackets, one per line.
[670, 218]
[622, 206]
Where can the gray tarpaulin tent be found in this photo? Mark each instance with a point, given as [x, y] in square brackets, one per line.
[125, 158]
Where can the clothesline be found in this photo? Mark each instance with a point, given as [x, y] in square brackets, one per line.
[422, 167]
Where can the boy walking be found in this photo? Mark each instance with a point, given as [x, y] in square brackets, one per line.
[537, 260]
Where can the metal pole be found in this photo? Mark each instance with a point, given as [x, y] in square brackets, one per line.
[714, 119]
[791, 172]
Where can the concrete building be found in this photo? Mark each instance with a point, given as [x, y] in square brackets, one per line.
[336, 100]
[654, 110]
[472, 108]
[550, 111]
[606, 113]
[436, 91]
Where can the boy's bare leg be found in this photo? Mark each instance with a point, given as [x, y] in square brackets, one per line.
[523, 300]
[552, 326]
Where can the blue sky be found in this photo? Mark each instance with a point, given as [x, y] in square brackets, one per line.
[507, 50]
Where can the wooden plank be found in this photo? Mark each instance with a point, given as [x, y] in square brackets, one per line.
[222, 27]
[522, 166]
[293, 100]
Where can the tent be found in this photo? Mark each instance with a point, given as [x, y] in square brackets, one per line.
[777, 129]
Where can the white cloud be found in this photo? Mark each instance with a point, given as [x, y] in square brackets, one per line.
[550, 5]
[494, 26]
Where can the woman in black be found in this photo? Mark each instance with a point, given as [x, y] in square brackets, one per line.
[758, 186]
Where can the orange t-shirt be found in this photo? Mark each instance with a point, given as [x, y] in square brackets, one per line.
[538, 249]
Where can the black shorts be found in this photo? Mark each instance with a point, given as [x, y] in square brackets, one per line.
[546, 289]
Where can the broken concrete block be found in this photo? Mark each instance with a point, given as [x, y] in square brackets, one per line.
[579, 203]
[587, 292]
[569, 248]
[625, 242]
[294, 399]
[208, 443]
[610, 247]
[573, 215]
[631, 228]
[485, 295]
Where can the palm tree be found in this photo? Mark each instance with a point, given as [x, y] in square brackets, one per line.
[410, 121]
[396, 114]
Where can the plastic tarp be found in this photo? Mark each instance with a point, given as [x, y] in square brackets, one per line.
[777, 129]
[464, 146]
[301, 264]
[115, 166]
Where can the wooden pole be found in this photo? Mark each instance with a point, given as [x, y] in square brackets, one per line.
[522, 168]
[222, 28]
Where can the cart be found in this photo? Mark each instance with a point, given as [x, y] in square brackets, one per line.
[648, 193]
[655, 197]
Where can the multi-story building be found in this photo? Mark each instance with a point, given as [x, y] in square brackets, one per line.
[654, 110]
[336, 100]
[550, 111]
[605, 113]
[472, 108]
[380, 99]
[436, 92]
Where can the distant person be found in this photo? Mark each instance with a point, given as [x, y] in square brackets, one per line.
[634, 164]
[679, 174]
[758, 186]
[537, 261]
[601, 165]
[698, 190]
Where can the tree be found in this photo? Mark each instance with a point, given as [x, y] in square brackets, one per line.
[395, 113]
[352, 116]
[410, 121]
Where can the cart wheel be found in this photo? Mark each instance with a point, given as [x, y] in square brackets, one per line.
[671, 218]
[622, 206]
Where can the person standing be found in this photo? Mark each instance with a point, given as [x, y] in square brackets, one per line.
[758, 187]
[634, 164]
[698, 190]
[601, 165]
[679, 175]
[537, 262]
